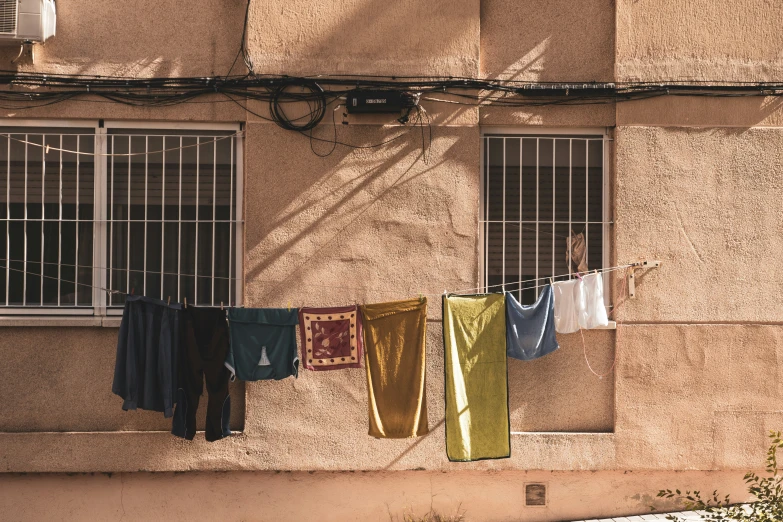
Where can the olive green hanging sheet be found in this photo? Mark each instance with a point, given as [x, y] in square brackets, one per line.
[474, 337]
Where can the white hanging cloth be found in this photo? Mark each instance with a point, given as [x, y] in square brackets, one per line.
[566, 317]
[579, 303]
[590, 304]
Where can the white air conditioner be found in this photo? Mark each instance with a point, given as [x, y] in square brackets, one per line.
[26, 21]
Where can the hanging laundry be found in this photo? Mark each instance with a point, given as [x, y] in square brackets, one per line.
[394, 344]
[145, 370]
[566, 312]
[576, 252]
[530, 330]
[331, 338]
[263, 343]
[477, 413]
[203, 351]
[591, 311]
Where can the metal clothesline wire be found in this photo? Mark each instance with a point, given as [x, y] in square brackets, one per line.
[515, 283]
[27, 272]
[214, 139]
[537, 230]
[96, 267]
[380, 290]
[194, 275]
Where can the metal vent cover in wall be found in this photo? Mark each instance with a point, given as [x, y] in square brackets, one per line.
[535, 495]
[8, 16]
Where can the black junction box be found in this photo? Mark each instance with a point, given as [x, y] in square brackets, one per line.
[379, 101]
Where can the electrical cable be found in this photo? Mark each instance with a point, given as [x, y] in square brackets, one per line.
[242, 47]
[315, 115]
[28, 90]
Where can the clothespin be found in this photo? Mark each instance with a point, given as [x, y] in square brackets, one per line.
[221, 305]
[551, 280]
[168, 301]
[421, 297]
[186, 302]
[133, 290]
[289, 306]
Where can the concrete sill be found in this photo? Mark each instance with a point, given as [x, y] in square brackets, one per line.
[60, 321]
[611, 326]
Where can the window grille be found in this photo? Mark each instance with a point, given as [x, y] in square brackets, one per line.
[536, 189]
[145, 211]
[177, 240]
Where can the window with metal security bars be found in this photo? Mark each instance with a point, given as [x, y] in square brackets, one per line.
[8, 16]
[89, 211]
[537, 191]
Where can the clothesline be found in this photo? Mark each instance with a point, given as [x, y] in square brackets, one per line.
[180, 274]
[514, 283]
[214, 139]
[538, 229]
[113, 269]
[467, 291]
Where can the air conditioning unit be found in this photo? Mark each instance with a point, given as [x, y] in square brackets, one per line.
[26, 21]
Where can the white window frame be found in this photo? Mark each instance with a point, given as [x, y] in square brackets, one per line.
[100, 225]
[491, 131]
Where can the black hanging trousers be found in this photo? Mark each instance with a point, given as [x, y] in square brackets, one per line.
[203, 349]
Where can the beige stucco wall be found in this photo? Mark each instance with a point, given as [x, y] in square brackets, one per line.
[142, 38]
[546, 41]
[701, 40]
[707, 202]
[696, 184]
[59, 379]
[341, 497]
[404, 38]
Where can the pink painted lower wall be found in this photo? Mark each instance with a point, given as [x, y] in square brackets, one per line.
[343, 496]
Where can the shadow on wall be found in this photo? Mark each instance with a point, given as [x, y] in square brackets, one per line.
[144, 38]
[733, 115]
[438, 37]
[767, 107]
[548, 40]
[325, 205]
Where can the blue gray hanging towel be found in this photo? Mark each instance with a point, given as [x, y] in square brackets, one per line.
[530, 330]
[263, 343]
[145, 371]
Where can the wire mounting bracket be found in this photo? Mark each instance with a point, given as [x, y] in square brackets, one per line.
[644, 264]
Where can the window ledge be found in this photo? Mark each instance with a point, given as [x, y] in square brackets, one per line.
[611, 326]
[53, 320]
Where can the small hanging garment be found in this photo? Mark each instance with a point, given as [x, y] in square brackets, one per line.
[530, 330]
[394, 358]
[576, 253]
[566, 308]
[331, 338]
[477, 416]
[203, 350]
[263, 343]
[145, 371]
[590, 302]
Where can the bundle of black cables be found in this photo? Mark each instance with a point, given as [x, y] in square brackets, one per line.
[312, 94]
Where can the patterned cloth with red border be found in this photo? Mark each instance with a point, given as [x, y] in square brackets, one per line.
[331, 338]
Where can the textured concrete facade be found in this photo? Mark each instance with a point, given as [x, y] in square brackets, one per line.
[696, 183]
